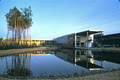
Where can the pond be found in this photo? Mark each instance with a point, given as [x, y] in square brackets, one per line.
[58, 63]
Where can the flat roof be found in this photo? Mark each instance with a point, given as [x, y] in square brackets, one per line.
[84, 33]
[89, 32]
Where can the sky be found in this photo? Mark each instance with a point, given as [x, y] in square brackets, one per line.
[55, 18]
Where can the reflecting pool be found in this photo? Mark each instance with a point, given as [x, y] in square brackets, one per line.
[58, 63]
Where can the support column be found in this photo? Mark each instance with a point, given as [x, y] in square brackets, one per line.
[80, 41]
[87, 41]
[75, 40]
[101, 40]
[75, 56]
[87, 58]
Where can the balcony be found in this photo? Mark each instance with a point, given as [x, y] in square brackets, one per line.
[89, 39]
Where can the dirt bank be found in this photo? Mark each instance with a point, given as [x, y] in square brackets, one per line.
[114, 75]
[101, 49]
[15, 51]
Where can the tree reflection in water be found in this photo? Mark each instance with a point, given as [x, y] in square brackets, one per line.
[20, 66]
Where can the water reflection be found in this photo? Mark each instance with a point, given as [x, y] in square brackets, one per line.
[20, 65]
[37, 64]
[79, 57]
[57, 63]
[92, 60]
[107, 56]
[44, 52]
[108, 60]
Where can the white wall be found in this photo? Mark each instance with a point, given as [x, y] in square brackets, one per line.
[90, 42]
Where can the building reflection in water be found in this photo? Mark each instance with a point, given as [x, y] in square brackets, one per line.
[43, 52]
[83, 58]
[48, 63]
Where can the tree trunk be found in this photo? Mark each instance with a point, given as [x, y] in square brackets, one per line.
[12, 35]
[19, 35]
[15, 30]
[7, 37]
[24, 34]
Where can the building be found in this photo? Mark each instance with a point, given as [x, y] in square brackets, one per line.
[29, 42]
[111, 40]
[83, 39]
[77, 40]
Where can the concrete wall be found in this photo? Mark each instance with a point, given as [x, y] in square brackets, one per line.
[63, 39]
[83, 39]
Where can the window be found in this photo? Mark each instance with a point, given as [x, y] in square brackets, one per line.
[82, 44]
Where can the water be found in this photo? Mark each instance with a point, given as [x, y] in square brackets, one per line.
[58, 63]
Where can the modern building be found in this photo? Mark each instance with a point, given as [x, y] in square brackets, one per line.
[83, 39]
[77, 40]
[111, 40]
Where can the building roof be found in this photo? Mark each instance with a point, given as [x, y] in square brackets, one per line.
[84, 33]
[89, 32]
[111, 35]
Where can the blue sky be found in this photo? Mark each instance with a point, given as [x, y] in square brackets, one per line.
[54, 18]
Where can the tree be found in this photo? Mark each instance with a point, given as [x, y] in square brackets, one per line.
[27, 15]
[18, 22]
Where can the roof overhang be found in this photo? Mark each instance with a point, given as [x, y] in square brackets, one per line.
[89, 32]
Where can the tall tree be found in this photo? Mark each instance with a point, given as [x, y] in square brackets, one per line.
[19, 22]
[27, 14]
